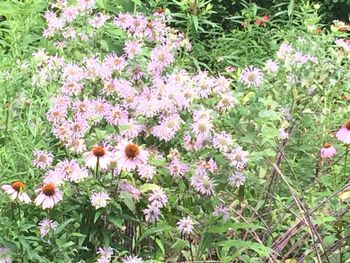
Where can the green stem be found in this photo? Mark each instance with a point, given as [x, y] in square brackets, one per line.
[346, 158]
[189, 241]
[97, 164]
[21, 254]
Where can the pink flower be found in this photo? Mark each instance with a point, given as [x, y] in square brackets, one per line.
[130, 156]
[131, 259]
[98, 154]
[16, 190]
[203, 184]
[151, 213]
[222, 141]
[158, 198]
[48, 196]
[238, 158]
[42, 159]
[176, 168]
[328, 151]
[230, 69]
[132, 48]
[72, 73]
[343, 134]
[47, 225]
[251, 76]
[202, 128]
[185, 225]
[237, 179]
[146, 172]
[99, 200]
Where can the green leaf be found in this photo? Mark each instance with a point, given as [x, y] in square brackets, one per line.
[98, 214]
[63, 225]
[160, 245]
[148, 187]
[258, 248]
[195, 22]
[128, 201]
[115, 221]
[222, 228]
[290, 7]
[161, 227]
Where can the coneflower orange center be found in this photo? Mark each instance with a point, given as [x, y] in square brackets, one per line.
[131, 150]
[99, 151]
[18, 186]
[347, 125]
[49, 189]
[327, 145]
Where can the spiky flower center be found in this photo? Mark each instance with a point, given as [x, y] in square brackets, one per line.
[327, 145]
[99, 151]
[132, 150]
[252, 77]
[18, 186]
[347, 125]
[49, 189]
[42, 158]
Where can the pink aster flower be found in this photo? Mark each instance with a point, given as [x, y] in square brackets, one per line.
[131, 259]
[221, 210]
[125, 186]
[230, 69]
[5, 255]
[251, 76]
[132, 48]
[48, 196]
[86, 4]
[98, 21]
[271, 66]
[17, 191]
[343, 134]
[222, 141]
[100, 155]
[72, 73]
[47, 225]
[203, 184]
[186, 225]
[202, 128]
[151, 213]
[158, 198]
[99, 200]
[176, 168]
[238, 158]
[328, 151]
[283, 135]
[237, 179]
[123, 20]
[42, 159]
[104, 254]
[130, 156]
[146, 172]
[116, 116]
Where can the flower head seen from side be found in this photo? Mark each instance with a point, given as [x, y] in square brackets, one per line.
[100, 155]
[49, 196]
[343, 134]
[16, 191]
[5, 256]
[186, 225]
[42, 159]
[328, 151]
[46, 225]
[104, 254]
[251, 76]
[99, 200]
[132, 259]
[130, 156]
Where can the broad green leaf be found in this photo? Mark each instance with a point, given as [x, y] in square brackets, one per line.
[160, 228]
